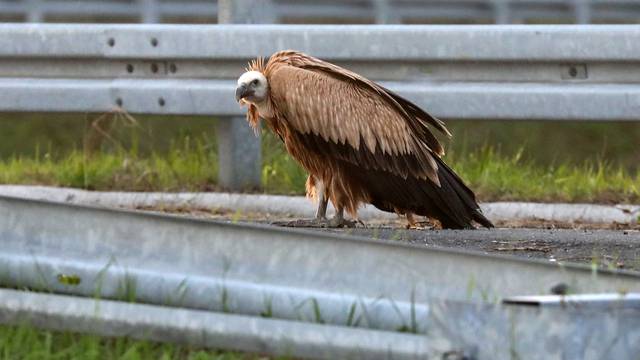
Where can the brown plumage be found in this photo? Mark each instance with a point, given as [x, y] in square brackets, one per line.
[362, 142]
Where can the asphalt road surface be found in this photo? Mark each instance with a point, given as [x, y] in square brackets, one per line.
[605, 248]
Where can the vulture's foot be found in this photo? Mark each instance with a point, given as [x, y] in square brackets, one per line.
[340, 222]
[413, 224]
[421, 225]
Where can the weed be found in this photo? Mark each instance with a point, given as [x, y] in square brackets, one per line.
[69, 279]
[412, 327]
[471, 287]
[236, 217]
[268, 308]
[316, 311]
[224, 300]
[351, 318]
[181, 291]
[127, 288]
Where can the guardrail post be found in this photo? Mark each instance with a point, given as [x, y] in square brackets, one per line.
[239, 154]
[34, 11]
[384, 13]
[238, 148]
[582, 11]
[149, 10]
[501, 12]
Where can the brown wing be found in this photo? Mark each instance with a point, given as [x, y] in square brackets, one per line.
[350, 111]
[416, 118]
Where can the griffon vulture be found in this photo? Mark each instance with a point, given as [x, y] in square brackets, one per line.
[360, 143]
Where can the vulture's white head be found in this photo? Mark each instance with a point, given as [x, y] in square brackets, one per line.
[252, 87]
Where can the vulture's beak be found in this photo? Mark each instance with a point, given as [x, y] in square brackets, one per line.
[242, 91]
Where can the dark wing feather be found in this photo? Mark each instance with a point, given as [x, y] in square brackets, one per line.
[453, 203]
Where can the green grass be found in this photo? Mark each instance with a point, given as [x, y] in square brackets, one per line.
[497, 177]
[25, 342]
[187, 167]
[543, 142]
[192, 166]
[527, 161]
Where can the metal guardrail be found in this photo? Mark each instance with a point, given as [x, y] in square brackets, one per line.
[212, 330]
[457, 330]
[469, 72]
[190, 271]
[359, 11]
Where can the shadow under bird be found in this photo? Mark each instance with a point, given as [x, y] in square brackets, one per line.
[360, 143]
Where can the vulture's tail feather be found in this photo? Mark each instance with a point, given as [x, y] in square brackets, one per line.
[459, 201]
[452, 203]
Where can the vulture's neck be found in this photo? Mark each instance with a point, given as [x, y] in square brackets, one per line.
[265, 109]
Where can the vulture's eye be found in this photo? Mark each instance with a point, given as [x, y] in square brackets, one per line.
[255, 82]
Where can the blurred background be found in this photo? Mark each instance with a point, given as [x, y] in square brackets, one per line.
[331, 11]
[179, 153]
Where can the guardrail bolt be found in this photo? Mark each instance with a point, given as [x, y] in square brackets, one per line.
[154, 68]
[154, 42]
[111, 42]
[129, 68]
[173, 68]
[574, 72]
[161, 101]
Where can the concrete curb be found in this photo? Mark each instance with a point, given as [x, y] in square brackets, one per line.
[302, 207]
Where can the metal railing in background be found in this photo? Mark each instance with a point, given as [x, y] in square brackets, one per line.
[455, 72]
[332, 11]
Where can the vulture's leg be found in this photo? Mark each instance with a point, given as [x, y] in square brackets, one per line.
[320, 220]
[321, 213]
[339, 221]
